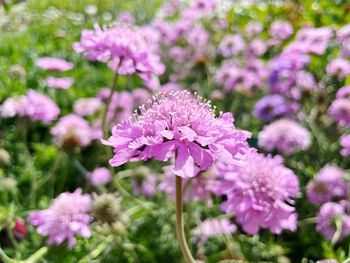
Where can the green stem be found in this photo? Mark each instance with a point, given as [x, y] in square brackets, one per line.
[37, 255]
[5, 258]
[179, 223]
[347, 261]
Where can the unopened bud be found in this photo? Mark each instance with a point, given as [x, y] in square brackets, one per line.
[105, 208]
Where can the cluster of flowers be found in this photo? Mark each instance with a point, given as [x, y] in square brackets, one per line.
[328, 189]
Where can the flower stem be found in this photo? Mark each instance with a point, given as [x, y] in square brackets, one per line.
[179, 223]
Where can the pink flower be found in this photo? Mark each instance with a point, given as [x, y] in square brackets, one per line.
[181, 126]
[329, 183]
[326, 220]
[87, 106]
[54, 64]
[124, 45]
[281, 30]
[72, 131]
[126, 17]
[41, 107]
[340, 111]
[59, 83]
[66, 217]
[345, 143]
[145, 185]
[99, 176]
[214, 227]
[231, 45]
[199, 189]
[339, 68]
[344, 92]
[14, 106]
[253, 28]
[285, 136]
[140, 96]
[259, 193]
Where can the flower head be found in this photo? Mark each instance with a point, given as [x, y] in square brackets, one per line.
[285, 136]
[87, 106]
[329, 183]
[281, 29]
[214, 227]
[326, 220]
[41, 107]
[259, 193]
[66, 217]
[99, 176]
[269, 107]
[181, 126]
[339, 68]
[340, 111]
[14, 106]
[54, 64]
[59, 83]
[72, 131]
[345, 142]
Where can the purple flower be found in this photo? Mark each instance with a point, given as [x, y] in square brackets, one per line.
[140, 96]
[145, 185]
[326, 220]
[181, 126]
[214, 227]
[171, 86]
[199, 189]
[269, 107]
[281, 30]
[87, 106]
[329, 183]
[126, 17]
[54, 64]
[124, 45]
[253, 28]
[345, 143]
[257, 47]
[197, 37]
[179, 54]
[99, 176]
[59, 83]
[14, 106]
[66, 217]
[339, 68]
[72, 131]
[340, 111]
[344, 92]
[259, 193]
[343, 34]
[285, 136]
[41, 107]
[231, 45]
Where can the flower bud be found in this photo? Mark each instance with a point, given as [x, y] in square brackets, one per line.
[105, 208]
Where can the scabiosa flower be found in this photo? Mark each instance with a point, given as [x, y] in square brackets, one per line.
[214, 227]
[281, 30]
[326, 220]
[343, 92]
[14, 106]
[66, 217]
[99, 176]
[124, 45]
[59, 83]
[253, 28]
[338, 68]
[126, 17]
[285, 136]
[257, 47]
[54, 64]
[231, 45]
[200, 188]
[345, 143]
[343, 34]
[179, 54]
[106, 208]
[259, 193]
[329, 183]
[171, 86]
[197, 37]
[340, 111]
[41, 107]
[145, 185]
[181, 126]
[269, 107]
[72, 131]
[87, 106]
[140, 96]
